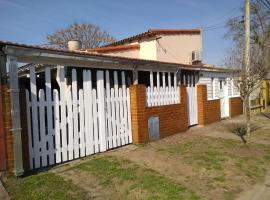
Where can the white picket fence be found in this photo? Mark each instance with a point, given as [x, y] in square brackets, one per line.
[164, 94]
[79, 123]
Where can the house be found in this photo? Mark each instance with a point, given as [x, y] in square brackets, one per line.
[68, 104]
[167, 45]
[183, 46]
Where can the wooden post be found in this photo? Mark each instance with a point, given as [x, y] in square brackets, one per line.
[178, 76]
[15, 115]
[135, 76]
[3, 68]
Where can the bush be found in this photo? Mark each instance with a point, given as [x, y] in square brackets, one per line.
[240, 129]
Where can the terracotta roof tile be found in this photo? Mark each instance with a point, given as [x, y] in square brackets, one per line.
[155, 32]
[114, 48]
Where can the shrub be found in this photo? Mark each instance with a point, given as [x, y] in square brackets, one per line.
[240, 129]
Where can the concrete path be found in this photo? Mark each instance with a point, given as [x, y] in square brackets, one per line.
[3, 192]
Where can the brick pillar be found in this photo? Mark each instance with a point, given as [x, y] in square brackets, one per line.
[208, 110]
[202, 97]
[138, 114]
[183, 94]
[7, 129]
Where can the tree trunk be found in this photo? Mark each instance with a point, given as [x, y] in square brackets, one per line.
[248, 118]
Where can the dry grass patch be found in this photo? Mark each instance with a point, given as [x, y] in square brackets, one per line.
[228, 166]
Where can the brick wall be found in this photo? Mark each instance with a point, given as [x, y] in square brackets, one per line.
[172, 118]
[208, 110]
[7, 129]
[7, 126]
[236, 106]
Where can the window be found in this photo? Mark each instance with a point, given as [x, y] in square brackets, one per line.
[220, 85]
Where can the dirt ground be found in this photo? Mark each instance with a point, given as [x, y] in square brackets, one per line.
[225, 178]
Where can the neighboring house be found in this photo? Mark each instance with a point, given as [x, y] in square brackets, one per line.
[260, 98]
[167, 45]
[265, 94]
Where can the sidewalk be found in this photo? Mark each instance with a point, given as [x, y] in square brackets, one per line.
[258, 192]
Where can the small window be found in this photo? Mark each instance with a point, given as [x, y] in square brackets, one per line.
[220, 85]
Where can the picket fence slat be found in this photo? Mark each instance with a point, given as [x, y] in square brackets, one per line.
[124, 96]
[30, 144]
[49, 106]
[113, 118]
[81, 118]
[35, 132]
[109, 112]
[75, 114]
[57, 125]
[70, 125]
[43, 140]
[63, 115]
[95, 125]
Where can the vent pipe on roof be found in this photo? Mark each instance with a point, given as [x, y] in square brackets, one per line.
[74, 45]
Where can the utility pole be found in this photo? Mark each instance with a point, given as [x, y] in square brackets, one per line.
[247, 64]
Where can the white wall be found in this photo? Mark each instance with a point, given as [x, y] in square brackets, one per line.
[131, 53]
[212, 81]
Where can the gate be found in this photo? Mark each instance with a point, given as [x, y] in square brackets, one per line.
[190, 82]
[224, 99]
[75, 122]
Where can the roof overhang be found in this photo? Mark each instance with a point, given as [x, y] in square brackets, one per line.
[39, 55]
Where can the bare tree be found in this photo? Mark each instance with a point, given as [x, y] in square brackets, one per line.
[91, 36]
[249, 81]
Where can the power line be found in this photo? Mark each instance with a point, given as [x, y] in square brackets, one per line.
[222, 23]
[230, 13]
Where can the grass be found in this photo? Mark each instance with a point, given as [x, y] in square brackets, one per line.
[226, 162]
[42, 187]
[151, 185]
[217, 154]
[107, 169]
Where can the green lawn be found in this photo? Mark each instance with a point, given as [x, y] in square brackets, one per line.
[113, 172]
[43, 186]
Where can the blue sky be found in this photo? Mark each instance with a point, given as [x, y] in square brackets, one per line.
[28, 21]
